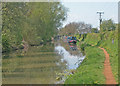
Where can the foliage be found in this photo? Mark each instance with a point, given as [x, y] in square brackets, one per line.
[83, 45]
[5, 43]
[107, 25]
[94, 30]
[109, 42]
[92, 38]
[74, 28]
[90, 70]
[33, 22]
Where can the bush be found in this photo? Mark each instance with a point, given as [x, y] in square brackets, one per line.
[82, 46]
[95, 30]
[84, 36]
[5, 44]
[108, 25]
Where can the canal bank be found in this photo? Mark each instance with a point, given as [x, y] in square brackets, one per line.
[91, 69]
[92, 66]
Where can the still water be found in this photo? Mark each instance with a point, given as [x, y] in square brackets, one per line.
[40, 64]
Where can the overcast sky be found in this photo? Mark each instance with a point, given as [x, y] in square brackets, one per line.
[86, 11]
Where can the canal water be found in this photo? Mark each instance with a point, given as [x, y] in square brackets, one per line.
[40, 64]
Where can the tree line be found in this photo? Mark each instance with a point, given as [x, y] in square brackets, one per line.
[81, 28]
[74, 28]
[32, 22]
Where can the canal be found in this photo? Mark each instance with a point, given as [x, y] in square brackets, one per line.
[40, 64]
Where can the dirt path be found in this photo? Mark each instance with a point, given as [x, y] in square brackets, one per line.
[107, 69]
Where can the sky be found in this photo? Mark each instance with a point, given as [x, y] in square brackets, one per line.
[87, 12]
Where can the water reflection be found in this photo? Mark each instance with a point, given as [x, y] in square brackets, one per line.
[39, 64]
[36, 66]
[73, 61]
[73, 47]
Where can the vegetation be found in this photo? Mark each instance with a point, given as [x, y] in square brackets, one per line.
[107, 39]
[91, 69]
[110, 43]
[74, 28]
[108, 25]
[94, 30]
[37, 23]
[32, 22]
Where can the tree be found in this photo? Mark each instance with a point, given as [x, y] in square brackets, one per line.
[94, 30]
[74, 28]
[107, 25]
[33, 22]
[12, 17]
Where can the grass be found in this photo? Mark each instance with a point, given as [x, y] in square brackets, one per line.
[91, 69]
[92, 38]
[112, 49]
[106, 42]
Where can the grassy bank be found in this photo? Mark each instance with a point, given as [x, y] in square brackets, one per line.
[112, 49]
[110, 43]
[91, 69]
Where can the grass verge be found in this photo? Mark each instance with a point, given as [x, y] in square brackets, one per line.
[110, 43]
[112, 49]
[91, 69]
